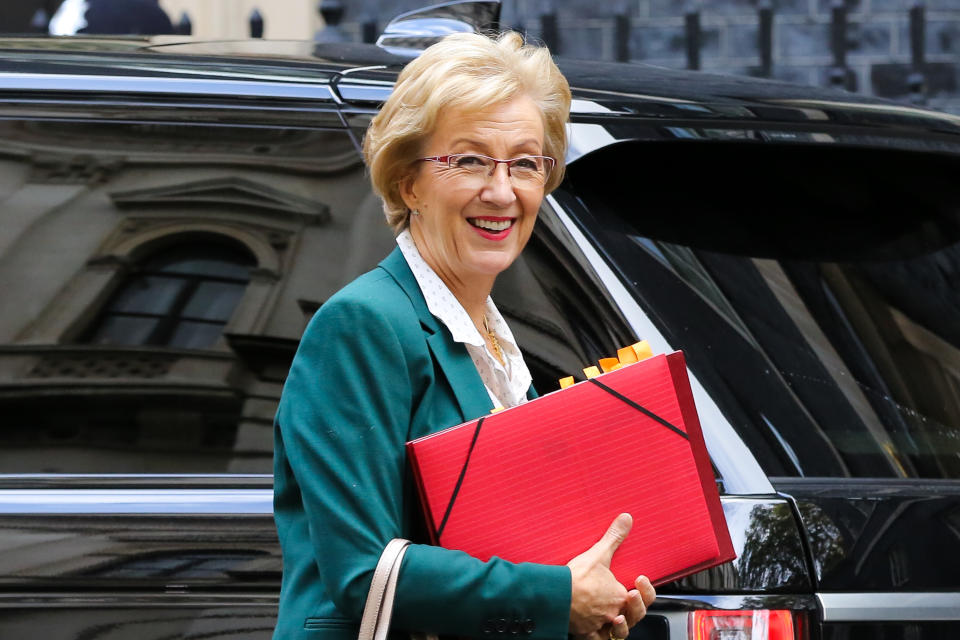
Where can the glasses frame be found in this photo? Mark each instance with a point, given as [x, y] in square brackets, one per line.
[549, 163]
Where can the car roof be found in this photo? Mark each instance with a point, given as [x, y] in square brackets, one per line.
[600, 89]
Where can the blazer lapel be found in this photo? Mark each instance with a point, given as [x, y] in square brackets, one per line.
[462, 375]
[453, 358]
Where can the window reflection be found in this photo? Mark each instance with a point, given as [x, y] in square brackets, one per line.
[180, 297]
[819, 309]
[826, 367]
[182, 564]
[155, 280]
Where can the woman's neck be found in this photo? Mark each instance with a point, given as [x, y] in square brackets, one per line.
[470, 289]
[471, 293]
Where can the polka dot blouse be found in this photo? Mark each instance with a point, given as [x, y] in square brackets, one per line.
[506, 384]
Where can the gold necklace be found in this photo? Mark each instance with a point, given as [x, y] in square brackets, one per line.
[493, 340]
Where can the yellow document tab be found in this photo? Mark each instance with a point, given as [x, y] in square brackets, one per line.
[642, 350]
[591, 372]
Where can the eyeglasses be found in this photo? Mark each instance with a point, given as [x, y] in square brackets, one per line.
[524, 171]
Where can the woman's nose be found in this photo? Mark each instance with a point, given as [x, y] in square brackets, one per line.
[499, 187]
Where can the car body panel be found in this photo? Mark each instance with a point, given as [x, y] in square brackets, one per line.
[136, 570]
[864, 535]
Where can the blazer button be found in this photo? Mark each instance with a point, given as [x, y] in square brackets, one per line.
[502, 625]
[528, 626]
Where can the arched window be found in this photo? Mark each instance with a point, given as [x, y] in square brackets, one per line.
[181, 296]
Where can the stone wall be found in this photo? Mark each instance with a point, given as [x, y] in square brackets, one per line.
[878, 37]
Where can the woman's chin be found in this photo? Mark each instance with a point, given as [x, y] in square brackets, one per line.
[491, 263]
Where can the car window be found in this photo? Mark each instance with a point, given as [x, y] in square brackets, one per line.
[157, 277]
[817, 301]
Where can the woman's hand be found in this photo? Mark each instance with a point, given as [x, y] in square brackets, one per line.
[597, 597]
[600, 607]
[633, 610]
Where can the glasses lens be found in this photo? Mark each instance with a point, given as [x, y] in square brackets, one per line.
[472, 163]
[532, 169]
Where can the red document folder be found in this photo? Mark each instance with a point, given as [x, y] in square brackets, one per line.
[541, 482]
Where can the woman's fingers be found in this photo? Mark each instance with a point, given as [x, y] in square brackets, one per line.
[638, 600]
[647, 592]
[634, 609]
[619, 628]
[616, 533]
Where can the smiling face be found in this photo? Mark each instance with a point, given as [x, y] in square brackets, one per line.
[470, 230]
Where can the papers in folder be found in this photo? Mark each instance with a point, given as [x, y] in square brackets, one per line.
[541, 482]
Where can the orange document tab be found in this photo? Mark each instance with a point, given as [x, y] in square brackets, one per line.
[609, 364]
[523, 484]
[627, 355]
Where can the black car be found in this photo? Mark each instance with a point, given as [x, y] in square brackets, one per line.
[174, 211]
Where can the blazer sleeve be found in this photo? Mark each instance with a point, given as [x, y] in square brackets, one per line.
[344, 416]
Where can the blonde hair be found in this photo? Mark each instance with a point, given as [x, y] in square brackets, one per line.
[468, 71]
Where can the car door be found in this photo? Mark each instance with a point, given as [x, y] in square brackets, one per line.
[170, 224]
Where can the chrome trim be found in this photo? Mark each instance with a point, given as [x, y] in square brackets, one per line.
[889, 607]
[739, 602]
[137, 84]
[27, 600]
[410, 33]
[359, 90]
[678, 623]
[584, 106]
[586, 137]
[72, 481]
[137, 501]
[373, 67]
[900, 109]
[351, 92]
[738, 467]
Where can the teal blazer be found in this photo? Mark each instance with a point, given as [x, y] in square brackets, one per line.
[375, 369]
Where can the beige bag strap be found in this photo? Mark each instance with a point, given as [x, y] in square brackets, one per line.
[375, 623]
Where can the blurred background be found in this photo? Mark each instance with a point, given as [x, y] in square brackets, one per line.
[906, 50]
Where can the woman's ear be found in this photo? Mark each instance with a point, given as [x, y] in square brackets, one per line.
[408, 191]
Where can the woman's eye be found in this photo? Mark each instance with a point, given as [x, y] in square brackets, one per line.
[525, 164]
[469, 162]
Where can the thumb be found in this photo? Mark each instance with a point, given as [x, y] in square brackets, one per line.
[611, 540]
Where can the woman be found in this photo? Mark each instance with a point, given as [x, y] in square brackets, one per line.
[462, 154]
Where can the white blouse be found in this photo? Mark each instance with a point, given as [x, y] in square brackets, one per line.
[507, 385]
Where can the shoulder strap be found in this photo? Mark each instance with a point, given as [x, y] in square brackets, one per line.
[375, 623]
